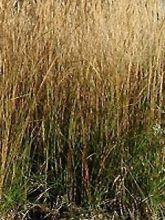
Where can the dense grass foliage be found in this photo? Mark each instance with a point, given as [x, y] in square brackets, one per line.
[82, 116]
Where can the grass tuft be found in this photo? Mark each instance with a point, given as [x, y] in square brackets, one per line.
[82, 105]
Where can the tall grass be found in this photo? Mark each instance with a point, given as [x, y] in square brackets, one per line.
[82, 104]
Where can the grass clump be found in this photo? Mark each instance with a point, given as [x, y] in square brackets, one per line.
[82, 105]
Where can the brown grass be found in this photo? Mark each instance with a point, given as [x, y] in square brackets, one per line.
[81, 82]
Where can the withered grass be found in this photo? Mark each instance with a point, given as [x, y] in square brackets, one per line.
[82, 104]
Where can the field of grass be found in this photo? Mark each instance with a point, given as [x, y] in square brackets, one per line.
[82, 107]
